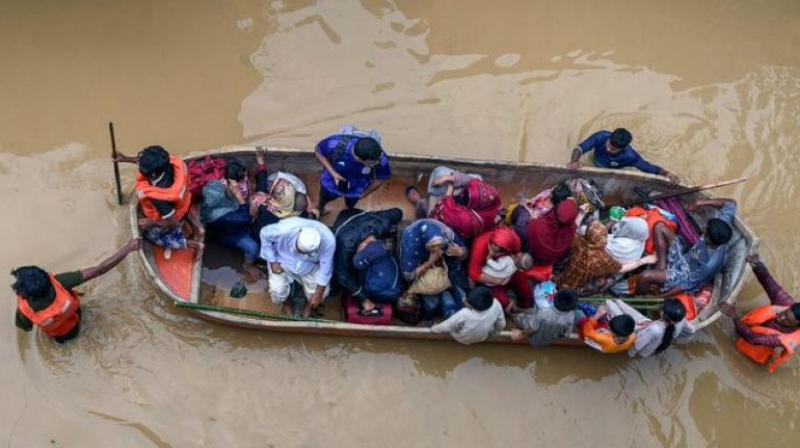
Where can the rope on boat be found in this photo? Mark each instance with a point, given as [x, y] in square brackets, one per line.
[250, 313]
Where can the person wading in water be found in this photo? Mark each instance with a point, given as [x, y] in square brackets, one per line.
[49, 302]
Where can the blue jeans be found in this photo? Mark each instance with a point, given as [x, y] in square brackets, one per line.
[243, 242]
[446, 303]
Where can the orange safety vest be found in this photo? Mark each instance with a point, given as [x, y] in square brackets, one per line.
[60, 317]
[604, 339]
[178, 193]
[653, 216]
[761, 354]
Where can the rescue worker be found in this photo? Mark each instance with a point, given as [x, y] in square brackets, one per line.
[162, 186]
[769, 332]
[49, 302]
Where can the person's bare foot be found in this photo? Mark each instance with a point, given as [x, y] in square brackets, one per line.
[307, 310]
[198, 247]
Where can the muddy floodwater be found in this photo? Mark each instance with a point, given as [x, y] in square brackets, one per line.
[710, 89]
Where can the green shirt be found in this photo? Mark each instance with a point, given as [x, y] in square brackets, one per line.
[68, 280]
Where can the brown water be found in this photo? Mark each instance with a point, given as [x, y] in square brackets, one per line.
[710, 89]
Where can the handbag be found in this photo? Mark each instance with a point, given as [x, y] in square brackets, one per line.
[434, 281]
[203, 171]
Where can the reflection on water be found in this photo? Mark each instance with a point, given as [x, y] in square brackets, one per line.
[709, 89]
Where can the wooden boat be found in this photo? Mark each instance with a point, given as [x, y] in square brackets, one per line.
[202, 286]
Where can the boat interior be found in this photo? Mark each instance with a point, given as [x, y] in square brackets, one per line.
[221, 267]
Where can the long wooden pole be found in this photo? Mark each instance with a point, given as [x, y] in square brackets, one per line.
[682, 192]
[116, 164]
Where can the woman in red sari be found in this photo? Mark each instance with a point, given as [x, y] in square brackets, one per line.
[494, 244]
[471, 212]
[550, 236]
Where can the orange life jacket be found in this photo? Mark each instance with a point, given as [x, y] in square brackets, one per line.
[60, 317]
[761, 354]
[604, 339]
[653, 216]
[178, 193]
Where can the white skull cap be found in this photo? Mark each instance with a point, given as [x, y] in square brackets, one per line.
[308, 240]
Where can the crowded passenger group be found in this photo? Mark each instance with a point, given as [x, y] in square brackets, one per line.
[464, 262]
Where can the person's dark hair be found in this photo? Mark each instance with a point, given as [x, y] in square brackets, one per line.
[672, 312]
[462, 198]
[368, 148]
[235, 171]
[31, 282]
[410, 188]
[480, 298]
[559, 193]
[620, 138]
[566, 300]
[719, 231]
[622, 325]
[796, 310]
[153, 160]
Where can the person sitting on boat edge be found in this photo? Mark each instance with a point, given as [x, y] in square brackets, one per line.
[441, 177]
[49, 302]
[769, 332]
[226, 215]
[354, 163]
[429, 245]
[162, 186]
[278, 195]
[493, 245]
[543, 326]
[689, 270]
[482, 316]
[606, 333]
[298, 250]
[362, 264]
[614, 150]
[470, 212]
[655, 336]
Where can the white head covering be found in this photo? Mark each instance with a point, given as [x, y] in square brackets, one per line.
[502, 267]
[308, 240]
[627, 242]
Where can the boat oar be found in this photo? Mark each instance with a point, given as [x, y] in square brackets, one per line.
[681, 192]
[114, 159]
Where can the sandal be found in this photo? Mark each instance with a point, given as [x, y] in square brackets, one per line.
[375, 312]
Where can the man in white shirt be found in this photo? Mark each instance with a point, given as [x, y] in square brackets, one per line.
[481, 317]
[298, 249]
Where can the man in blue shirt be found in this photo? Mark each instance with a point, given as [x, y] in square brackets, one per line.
[614, 150]
[690, 270]
[355, 166]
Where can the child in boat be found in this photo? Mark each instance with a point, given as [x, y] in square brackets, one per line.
[606, 333]
[543, 326]
[655, 336]
[354, 163]
[494, 261]
[481, 317]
